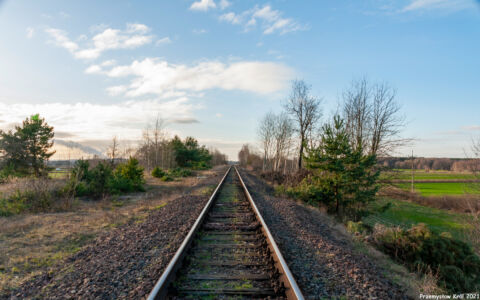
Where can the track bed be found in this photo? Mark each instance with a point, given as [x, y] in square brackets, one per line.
[229, 255]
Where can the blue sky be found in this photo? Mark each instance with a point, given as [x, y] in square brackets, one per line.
[212, 68]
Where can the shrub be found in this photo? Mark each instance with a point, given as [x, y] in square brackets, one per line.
[166, 178]
[132, 172]
[103, 179]
[180, 172]
[419, 248]
[98, 179]
[31, 195]
[158, 173]
[202, 165]
[357, 227]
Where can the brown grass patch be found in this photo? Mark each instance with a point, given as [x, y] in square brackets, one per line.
[458, 203]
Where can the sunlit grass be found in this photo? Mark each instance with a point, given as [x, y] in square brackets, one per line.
[405, 214]
[440, 188]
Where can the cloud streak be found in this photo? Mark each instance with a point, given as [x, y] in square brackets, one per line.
[153, 76]
[203, 5]
[270, 20]
[133, 36]
[421, 5]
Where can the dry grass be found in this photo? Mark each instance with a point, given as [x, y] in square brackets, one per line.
[34, 184]
[473, 234]
[31, 243]
[428, 283]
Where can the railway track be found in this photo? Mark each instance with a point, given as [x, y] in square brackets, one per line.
[228, 254]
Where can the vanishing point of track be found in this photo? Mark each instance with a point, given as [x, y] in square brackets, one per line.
[229, 253]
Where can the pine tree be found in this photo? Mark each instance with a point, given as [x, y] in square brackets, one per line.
[345, 177]
[27, 148]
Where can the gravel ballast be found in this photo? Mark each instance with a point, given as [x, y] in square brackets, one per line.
[126, 262]
[324, 263]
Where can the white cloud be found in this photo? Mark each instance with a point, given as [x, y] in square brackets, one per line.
[61, 39]
[137, 28]
[99, 68]
[437, 4]
[231, 18]
[224, 4]
[116, 90]
[218, 115]
[30, 32]
[109, 39]
[94, 121]
[270, 20]
[93, 69]
[203, 5]
[163, 41]
[273, 21]
[108, 63]
[158, 77]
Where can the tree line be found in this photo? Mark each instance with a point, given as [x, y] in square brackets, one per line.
[25, 150]
[157, 149]
[427, 164]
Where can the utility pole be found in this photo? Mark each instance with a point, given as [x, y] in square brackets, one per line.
[413, 175]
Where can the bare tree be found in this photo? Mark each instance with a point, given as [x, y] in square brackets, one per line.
[113, 149]
[266, 131]
[357, 113]
[158, 137]
[243, 155]
[372, 117]
[283, 132]
[306, 111]
[249, 158]
[146, 147]
[386, 120]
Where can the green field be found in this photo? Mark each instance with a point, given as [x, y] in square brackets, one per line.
[460, 183]
[405, 214]
[431, 175]
[441, 188]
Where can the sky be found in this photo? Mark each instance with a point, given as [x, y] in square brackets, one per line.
[212, 68]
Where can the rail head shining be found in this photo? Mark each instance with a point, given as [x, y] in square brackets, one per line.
[286, 271]
[160, 288]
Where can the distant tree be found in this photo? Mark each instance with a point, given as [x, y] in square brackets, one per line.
[342, 176]
[243, 155]
[266, 132]
[189, 154]
[113, 149]
[26, 149]
[248, 157]
[283, 132]
[305, 110]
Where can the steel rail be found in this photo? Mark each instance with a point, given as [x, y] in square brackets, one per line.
[160, 289]
[293, 291]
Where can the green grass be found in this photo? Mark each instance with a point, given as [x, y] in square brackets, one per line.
[58, 174]
[440, 188]
[405, 214]
[431, 175]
